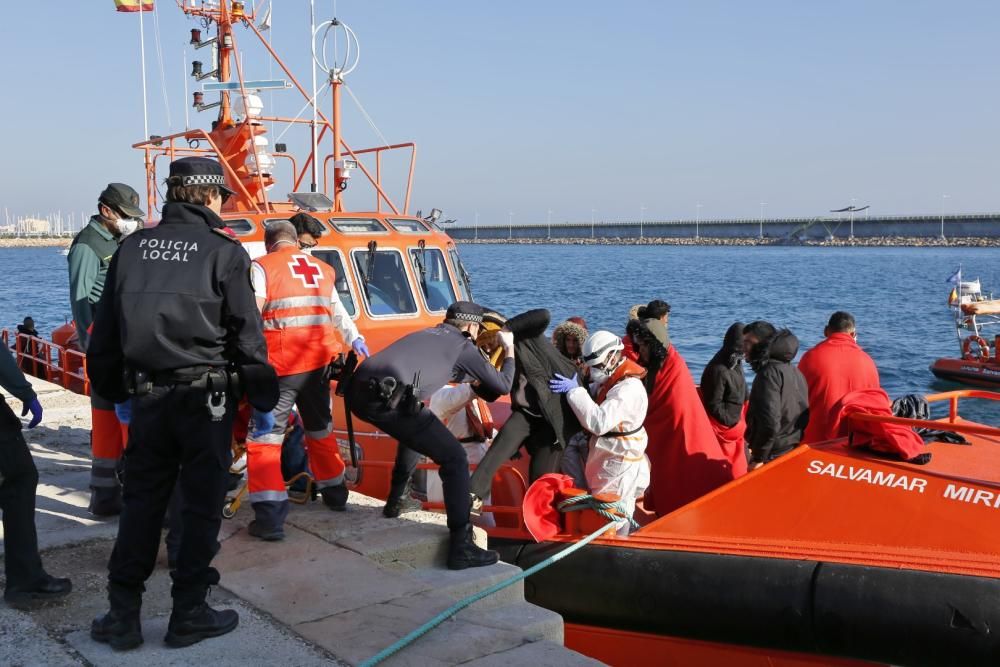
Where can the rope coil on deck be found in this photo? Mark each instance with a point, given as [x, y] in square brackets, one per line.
[615, 511]
[604, 510]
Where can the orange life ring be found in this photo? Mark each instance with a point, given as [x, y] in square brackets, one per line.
[984, 349]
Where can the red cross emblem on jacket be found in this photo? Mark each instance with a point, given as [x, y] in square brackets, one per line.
[305, 271]
[297, 313]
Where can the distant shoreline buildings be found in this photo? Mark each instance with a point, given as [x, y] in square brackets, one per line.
[51, 225]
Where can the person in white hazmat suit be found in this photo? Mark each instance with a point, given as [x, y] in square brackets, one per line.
[469, 420]
[612, 412]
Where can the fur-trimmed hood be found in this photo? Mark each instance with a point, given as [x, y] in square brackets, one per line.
[567, 328]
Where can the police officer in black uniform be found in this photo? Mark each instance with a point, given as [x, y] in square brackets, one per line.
[27, 581]
[388, 389]
[178, 331]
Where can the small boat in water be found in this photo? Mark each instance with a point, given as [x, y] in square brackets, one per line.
[977, 324]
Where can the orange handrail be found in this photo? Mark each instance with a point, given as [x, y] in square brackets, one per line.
[379, 193]
[953, 424]
[49, 361]
[953, 396]
[958, 427]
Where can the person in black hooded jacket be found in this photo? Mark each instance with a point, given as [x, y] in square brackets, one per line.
[540, 420]
[779, 398]
[723, 387]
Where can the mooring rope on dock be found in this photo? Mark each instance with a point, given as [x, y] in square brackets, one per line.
[577, 504]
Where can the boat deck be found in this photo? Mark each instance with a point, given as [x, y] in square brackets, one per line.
[850, 506]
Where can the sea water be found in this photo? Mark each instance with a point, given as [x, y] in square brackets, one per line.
[898, 295]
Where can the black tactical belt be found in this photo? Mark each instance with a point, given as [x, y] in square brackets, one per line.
[395, 395]
[188, 375]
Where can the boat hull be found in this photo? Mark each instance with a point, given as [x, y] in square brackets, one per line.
[883, 615]
[967, 371]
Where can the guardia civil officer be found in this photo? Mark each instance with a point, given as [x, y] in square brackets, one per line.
[177, 330]
[118, 215]
[388, 389]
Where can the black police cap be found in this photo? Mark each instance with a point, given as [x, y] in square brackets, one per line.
[465, 311]
[200, 171]
[123, 199]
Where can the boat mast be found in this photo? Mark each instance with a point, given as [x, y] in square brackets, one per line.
[315, 109]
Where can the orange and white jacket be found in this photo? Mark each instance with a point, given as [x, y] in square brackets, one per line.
[305, 323]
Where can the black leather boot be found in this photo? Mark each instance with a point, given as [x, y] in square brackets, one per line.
[120, 627]
[46, 588]
[463, 552]
[189, 625]
[105, 500]
[399, 502]
[266, 533]
[335, 497]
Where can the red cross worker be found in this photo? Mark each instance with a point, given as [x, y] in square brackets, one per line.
[305, 326]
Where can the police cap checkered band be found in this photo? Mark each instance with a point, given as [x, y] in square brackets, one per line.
[199, 171]
[203, 180]
[465, 311]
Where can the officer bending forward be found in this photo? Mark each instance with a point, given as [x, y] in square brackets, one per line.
[387, 391]
[176, 326]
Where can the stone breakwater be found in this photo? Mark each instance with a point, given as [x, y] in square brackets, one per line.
[35, 242]
[873, 242]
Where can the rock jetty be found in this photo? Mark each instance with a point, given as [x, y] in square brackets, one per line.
[872, 242]
[35, 241]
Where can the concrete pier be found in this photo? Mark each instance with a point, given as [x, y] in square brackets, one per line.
[816, 229]
[339, 589]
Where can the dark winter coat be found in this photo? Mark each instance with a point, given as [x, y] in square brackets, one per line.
[537, 360]
[723, 386]
[779, 399]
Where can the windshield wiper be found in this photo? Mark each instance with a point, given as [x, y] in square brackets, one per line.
[366, 274]
[421, 260]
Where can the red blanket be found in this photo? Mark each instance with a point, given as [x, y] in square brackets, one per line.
[731, 439]
[833, 369]
[887, 438]
[686, 459]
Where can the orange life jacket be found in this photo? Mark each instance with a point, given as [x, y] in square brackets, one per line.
[298, 316]
[480, 423]
[626, 369]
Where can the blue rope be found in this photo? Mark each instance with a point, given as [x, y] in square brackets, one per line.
[459, 606]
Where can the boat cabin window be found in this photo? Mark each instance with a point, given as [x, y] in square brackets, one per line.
[408, 226]
[357, 225]
[333, 258]
[242, 226]
[388, 289]
[432, 275]
[464, 288]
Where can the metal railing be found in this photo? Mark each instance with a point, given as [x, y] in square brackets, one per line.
[50, 362]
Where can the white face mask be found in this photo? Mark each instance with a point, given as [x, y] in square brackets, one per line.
[598, 375]
[126, 226]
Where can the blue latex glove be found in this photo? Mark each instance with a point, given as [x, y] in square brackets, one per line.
[561, 385]
[360, 348]
[35, 408]
[124, 412]
[263, 423]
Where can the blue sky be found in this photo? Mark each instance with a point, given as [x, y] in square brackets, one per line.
[566, 106]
